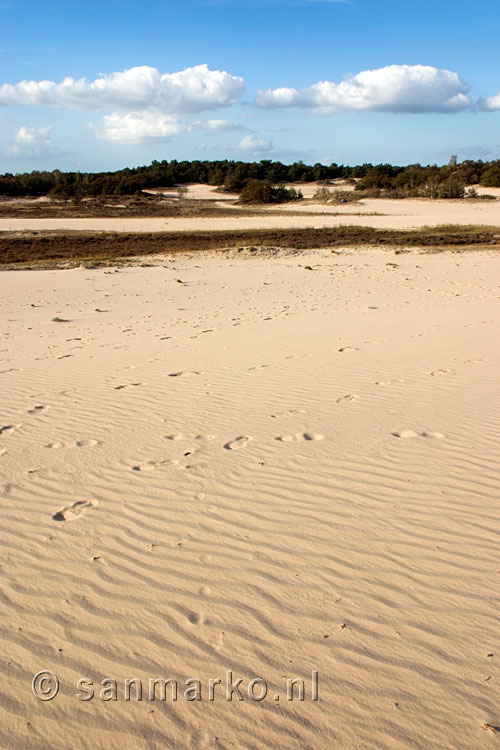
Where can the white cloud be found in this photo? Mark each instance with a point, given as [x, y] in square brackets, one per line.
[136, 127]
[33, 136]
[140, 88]
[491, 103]
[395, 88]
[254, 144]
[218, 126]
[32, 142]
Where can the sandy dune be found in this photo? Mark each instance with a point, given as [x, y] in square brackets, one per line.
[235, 463]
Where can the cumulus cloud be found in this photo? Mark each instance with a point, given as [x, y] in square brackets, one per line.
[395, 88]
[253, 143]
[140, 88]
[135, 127]
[32, 142]
[492, 103]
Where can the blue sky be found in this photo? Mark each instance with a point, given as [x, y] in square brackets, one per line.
[405, 81]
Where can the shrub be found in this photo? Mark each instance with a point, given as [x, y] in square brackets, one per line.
[491, 177]
[452, 188]
[261, 191]
[323, 195]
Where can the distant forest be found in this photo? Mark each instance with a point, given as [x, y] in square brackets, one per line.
[434, 181]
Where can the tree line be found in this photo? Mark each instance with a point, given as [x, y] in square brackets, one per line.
[433, 181]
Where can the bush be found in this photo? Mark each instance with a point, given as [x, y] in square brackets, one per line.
[323, 195]
[452, 188]
[491, 177]
[261, 191]
[257, 191]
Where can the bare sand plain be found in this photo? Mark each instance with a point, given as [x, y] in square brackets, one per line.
[269, 465]
[370, 212]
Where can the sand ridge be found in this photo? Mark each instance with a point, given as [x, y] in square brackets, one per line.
[263, 470]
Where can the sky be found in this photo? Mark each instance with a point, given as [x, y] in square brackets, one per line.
[99, 86]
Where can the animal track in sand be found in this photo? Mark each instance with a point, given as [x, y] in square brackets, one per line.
[412, 434]
[127, 385]
[289, 413]
[174, 436]
[9, 428]
[389, 382]
[349, 349]
[257, 367]
[442, 372]
[349, 397]
[308, 436]
[183, 373]
[237, 443]
[38, 409]
[71, 512]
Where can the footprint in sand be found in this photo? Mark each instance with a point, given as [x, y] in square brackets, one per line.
[152, 465]
[71, 512]
[8, 428]
[76, 444]
[174, 436]
[389, 382]
[350, 397]
[404, 433]
[183, 374]
[413, 434]
[308, 436]
[127, 385]
[442, 372]
[349, 349]
[237, 443]
[289, 413]
[146, 466]
[38, 409]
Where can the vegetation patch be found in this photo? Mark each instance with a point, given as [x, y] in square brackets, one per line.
[29, 247]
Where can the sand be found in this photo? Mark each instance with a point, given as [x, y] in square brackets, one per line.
[378, 213]
[263, 469]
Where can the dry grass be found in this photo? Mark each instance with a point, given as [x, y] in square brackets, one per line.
[34, 247]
